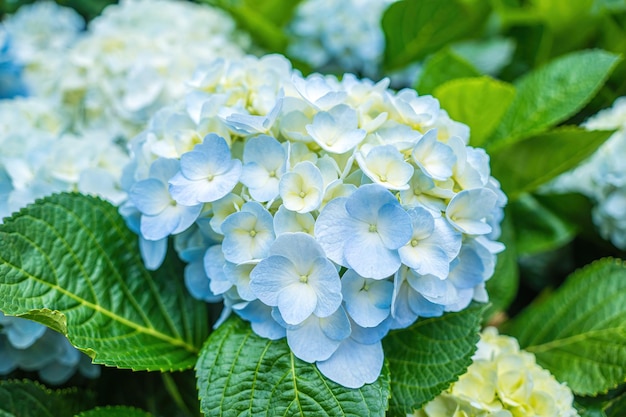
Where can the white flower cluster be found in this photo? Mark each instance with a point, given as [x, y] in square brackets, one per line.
[40, 157]
[136, 56]
[41, 34]
[339, 35]
[31, 346]
[322, 210]
[502, 381]
[602, 177]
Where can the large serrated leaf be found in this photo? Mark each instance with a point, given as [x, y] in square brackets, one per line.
[119, 411]
[553, 93]
[427, 357]
[242, 374]
[31, 399]
[415, 28]
[479, 102]
[68, 261]
[579, 332]
[525, 165]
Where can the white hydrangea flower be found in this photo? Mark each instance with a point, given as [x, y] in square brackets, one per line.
[357, 209]
[137, 56]
[502, 381]
[339, 35]
[602, 177]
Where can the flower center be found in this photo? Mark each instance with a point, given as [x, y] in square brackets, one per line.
[302, 194]
[373, 228]
[304, 279]
[272, 174]
[414, 242]
[252, 233]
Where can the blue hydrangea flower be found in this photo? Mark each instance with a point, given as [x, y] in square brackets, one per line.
[264, 163]
[364, 231]
[297, 278]
[161, 215]
[248, 233]
[206, 174]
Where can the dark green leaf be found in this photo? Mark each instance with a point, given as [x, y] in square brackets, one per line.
[415, 28]
[525, 165]
[579, 332]
[537, 228]
[553, 93]
[31, 399]
[480, 103]
[441, 67]
[70, 262]
[119, 411]
[427, 357]
[240, 373]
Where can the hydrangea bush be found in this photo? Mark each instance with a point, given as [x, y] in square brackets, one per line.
[354, 231]
[322, 210]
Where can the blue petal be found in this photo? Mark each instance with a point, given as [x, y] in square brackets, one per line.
[152, 252]
[332, 228]
[198, 283]
[260, 317]
[367, 301]
[394, 226]
[309, 342]
[353, 364]
[367, 200]
[271, 276]
[368, 256]
[150, 196]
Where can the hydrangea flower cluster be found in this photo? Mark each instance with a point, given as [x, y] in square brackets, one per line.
[323, 211]
[40, 156]
[339, 35]
[502, 381]
[41, 34]
[135, 58]
[602, 177]
[31, 346]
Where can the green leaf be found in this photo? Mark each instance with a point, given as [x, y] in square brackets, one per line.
[502, 286]
[579, 332]
[415, 28]
[31, 399]
[70, 262]
[553, 93]
[525, 165]
[240, 373]
[263, 19]
[441, 67]
[537, 228]
[480, 103]
[427, 357]
[118, 411]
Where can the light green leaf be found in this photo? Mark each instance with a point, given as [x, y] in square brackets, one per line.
[427, 357]
[479, 102]
[441, 67]
[119, 411]
[537, 228]
[415, 28]
[70, 262]
[502, 286]
[242, 374]
[31, 399]
[525, 165]
[553, 93]
[579, 332]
